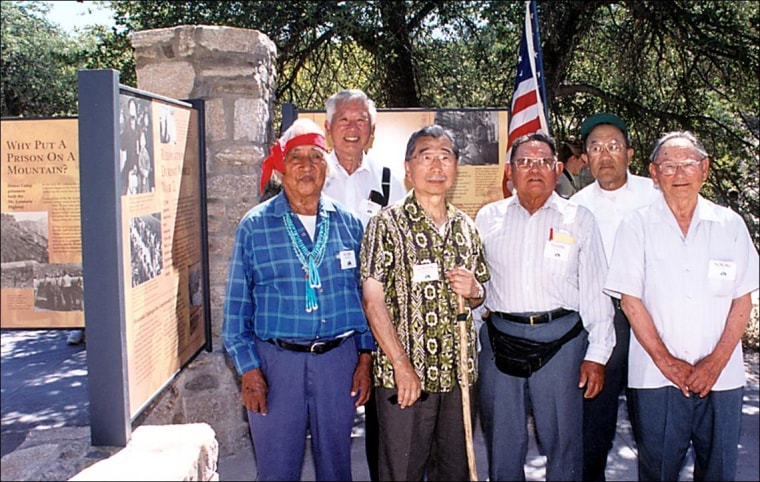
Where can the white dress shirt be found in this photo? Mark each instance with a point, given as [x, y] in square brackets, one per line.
[353, 190]
[686, 283]
[610, 207]
[552, 259]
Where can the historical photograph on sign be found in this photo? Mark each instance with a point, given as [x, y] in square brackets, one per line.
[24, 244]
[194, 285]
[145, 247]
[476, 133]
[58, 287]
[136, 159]
[167, 126]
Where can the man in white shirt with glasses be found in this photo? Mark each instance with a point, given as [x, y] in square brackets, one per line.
[608, 152]
[550, 332]
[685, 269]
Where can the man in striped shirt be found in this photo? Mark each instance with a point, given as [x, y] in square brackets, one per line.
[545, 299]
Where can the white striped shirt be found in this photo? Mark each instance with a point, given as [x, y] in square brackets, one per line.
[532, 273]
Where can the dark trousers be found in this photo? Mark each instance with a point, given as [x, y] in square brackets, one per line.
[424, 441]
[371, 436]
[669, 423]
[600, 413]
[306, 392]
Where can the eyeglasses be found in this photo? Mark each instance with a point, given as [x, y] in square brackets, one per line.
[447, 159]
[670, 168]
[611, 147]
[526, 163]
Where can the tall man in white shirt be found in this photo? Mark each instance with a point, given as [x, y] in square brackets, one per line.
[364, 186]
[615, 193]
[685, 268]
[356, 180]
[547, 268]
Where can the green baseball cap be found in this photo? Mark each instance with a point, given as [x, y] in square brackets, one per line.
[599, 119]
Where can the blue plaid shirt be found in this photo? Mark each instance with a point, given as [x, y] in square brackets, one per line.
[266, 288]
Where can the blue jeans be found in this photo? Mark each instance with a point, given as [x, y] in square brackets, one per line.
[667, 422]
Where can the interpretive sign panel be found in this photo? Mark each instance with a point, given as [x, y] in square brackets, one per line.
[480, 133]
[42, 283]
[143, 232]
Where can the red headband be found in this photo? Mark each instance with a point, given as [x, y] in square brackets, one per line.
[276, 159]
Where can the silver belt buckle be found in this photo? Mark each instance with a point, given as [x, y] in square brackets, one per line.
[315, 346]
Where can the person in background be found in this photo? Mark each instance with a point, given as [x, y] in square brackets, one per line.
[293, 320]
[685, 269]
[417, 256]
[550, 332]
[363, 185]
[570, 155]
[357, 180]
[616, 192]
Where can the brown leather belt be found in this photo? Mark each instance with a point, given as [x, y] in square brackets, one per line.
[536, 318]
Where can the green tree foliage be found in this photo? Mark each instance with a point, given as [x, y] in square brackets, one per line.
[40, 60]
[680, 64]
[36, 69]
[662, 66]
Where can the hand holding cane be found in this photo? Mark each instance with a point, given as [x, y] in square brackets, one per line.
[463, 370]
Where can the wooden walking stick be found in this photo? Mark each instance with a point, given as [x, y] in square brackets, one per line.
[464, 342]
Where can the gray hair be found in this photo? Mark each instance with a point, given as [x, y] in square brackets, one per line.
[689, 136]
[350, 95]
[539, 136]
[435, 131]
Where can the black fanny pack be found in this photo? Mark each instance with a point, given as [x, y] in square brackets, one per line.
[520, 357]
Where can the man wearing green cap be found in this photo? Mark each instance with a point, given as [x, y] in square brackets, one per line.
[615, 193]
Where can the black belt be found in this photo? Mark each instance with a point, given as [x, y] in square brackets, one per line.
[616, 304]
[315, 347]
[535, 319]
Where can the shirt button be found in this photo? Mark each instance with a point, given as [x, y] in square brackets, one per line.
[324, 321]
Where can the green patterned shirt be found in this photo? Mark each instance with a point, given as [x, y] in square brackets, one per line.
[424, 313]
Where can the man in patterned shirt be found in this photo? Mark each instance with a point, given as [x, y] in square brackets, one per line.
[293, 321]
[417, 257]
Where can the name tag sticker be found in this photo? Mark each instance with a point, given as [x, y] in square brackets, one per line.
[558, 251]
[425, 272]
[347, 259]
[724, 270]
[563, 237]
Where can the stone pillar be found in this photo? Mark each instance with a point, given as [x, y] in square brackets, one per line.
[233, 70]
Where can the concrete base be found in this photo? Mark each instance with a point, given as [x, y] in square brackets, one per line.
[161, 452]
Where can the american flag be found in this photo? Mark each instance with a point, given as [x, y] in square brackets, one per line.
[528, 112]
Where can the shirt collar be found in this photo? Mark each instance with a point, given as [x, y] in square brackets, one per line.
[337, 168]
[554, 201]
[625, 187]
[705, 210]
[281, 206]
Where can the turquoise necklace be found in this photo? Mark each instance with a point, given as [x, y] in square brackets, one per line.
[310, 260]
